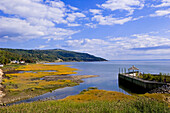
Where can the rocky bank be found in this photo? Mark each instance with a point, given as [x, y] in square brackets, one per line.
[165, 89]
[1, 87]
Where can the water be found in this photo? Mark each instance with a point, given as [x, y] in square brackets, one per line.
[108, 76]
[36, 71]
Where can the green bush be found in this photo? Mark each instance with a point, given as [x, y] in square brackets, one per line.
[158, 78]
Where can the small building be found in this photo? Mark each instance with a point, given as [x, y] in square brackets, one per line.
[14, 62]
[133, 70]
[22, 62]
[1, 65]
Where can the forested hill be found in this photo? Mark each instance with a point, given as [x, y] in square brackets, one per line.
[46, 55]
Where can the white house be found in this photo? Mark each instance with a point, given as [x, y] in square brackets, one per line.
[1, 65]
[15, 62]
[22, 62]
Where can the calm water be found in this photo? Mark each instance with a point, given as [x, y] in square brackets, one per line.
[108, 76]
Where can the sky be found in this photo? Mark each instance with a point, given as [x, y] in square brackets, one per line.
[112, 29]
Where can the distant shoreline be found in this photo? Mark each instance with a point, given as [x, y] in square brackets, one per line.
[144, 60]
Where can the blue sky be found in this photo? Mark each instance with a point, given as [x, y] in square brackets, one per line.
[112, 29]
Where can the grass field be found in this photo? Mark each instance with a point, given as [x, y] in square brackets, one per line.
[93, 101]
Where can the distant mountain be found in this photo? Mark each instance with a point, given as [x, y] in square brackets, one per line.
[49, 55]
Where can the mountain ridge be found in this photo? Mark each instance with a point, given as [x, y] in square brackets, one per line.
[50, 55]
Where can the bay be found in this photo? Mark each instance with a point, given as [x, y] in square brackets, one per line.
[108, 76]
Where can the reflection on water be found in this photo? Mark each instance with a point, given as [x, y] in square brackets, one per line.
[131, 88]
[108, 77]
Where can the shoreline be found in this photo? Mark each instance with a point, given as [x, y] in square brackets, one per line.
[77, 79]
[51, 78]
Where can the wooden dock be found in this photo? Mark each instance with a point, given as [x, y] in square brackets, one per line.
[134, 82]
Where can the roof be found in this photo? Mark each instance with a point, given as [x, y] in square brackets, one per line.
[133, 68]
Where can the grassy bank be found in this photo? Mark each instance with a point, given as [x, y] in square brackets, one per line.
[28, 84]
[93, 95]
[93, 101]
[10, 67]
[99, 95]
[159, 78]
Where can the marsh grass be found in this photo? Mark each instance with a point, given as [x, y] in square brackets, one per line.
[10, 67]
[95, 94]
[103, 95]
[104, 105]
[36, 67]
[25, 85]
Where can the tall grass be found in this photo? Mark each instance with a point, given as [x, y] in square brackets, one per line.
[139, 105]
[93, 101]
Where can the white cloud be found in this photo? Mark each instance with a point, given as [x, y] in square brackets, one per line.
[128, 5]
[64, 32]
[13, 27]
[138, 18]
[87, 42]
[59, 33]
[95, 11]
[165, 3]
[17, 29]
[93, 46]
[54, 11]
[167, 31]
[27, 8]
[40, 22]
[71, 17]
[91, 25]
[42, 46]
[145, 40]
[36, 19]
[122, 47]
[73, 8]
[161, 13]
[117, 38]
[109, 20]
[73, 24]
[140, 41]
[56, 4]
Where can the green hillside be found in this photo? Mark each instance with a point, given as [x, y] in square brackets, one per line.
[6, 56]
[46, 55]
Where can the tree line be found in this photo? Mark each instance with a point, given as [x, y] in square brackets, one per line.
[31, 56]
